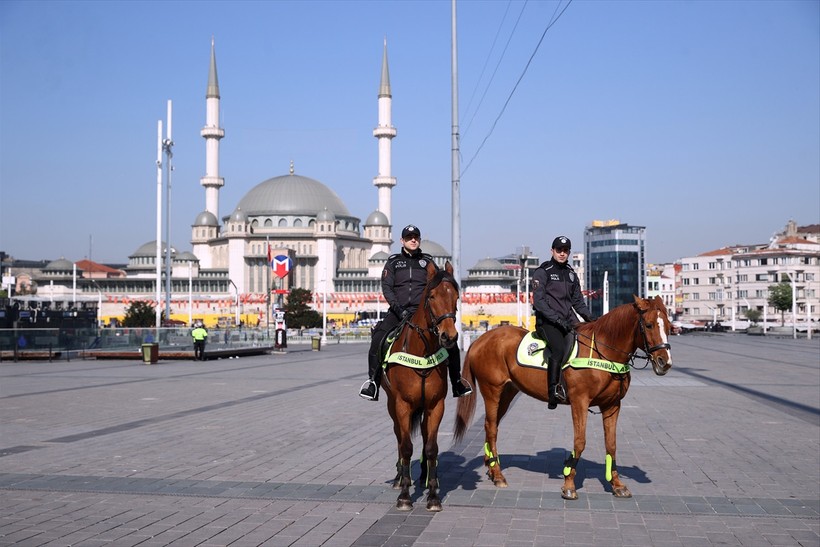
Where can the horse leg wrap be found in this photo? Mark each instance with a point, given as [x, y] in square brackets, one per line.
[610, 467]
[431, 472]
[570, 463]
[491, 460]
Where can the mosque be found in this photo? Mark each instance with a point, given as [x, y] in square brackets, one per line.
[287, 231]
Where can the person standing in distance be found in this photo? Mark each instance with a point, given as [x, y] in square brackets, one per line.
[403, 280]
[199, 334]
[556, 298]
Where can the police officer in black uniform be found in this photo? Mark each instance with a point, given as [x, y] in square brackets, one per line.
[403, 280]
[556, 293]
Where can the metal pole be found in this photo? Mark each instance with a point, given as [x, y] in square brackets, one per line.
[456, 172]
[167, 145]
[190, 294]
[159, 223]
[793, 275]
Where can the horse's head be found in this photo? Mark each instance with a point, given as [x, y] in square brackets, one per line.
[655, 328]
[440, 304]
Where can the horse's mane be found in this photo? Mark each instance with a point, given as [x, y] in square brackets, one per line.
[440, 276]
[619, 322]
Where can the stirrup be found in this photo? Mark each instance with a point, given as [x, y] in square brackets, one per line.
[559, 392]
[369, 391]
[462, 388]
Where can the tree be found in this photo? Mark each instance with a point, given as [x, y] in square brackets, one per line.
[780, 298]
[753, 315]
[140, 314]
[298, 313]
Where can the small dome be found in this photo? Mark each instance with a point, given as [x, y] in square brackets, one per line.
[381, 256]
[61, 264]
[488, 264]
[239, 216]
[325, 216]
[377, 218]
[433, 249]
[206, 218]
[150, 249]
[186, 256]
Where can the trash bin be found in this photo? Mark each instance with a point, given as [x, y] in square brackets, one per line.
[316, 343]
[150, 353]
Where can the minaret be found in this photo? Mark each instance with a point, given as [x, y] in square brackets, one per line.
[212, 134]
[385, 132]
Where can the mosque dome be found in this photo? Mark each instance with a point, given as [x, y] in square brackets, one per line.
[377, 218]
[291, 194]
[61, 264]
[434, 249]
[325, 216]
[150, 249]
[380, 256]
[239, 215]
[206, 218]
[488, 264]
[185, 256]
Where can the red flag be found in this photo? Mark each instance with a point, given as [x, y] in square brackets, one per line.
[270, 258]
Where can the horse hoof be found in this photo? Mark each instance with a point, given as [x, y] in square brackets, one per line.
[434, 506]
[404, 505]
[501, 483]
[622, 492]
[569, 494]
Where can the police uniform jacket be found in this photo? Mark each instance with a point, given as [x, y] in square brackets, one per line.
[556, 291]
[404, 278]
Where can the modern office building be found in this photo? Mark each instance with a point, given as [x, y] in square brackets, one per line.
[615, 252]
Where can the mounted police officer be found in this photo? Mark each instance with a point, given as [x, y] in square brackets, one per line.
[404, 278]
[556, 293]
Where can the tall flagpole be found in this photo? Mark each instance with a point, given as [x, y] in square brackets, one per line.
[456, 176]
[267, 284]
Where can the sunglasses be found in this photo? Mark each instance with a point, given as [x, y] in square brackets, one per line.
[563, 250]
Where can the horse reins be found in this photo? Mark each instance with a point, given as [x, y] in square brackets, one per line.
[632, 355]
[433, 321]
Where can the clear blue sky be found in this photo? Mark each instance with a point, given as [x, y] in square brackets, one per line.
[699, 120]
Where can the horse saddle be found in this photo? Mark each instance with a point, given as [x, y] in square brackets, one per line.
[534, 352]
[391, 356]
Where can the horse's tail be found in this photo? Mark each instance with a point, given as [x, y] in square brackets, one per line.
[466, 405]
[415, 421]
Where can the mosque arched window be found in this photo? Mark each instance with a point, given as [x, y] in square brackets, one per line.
[283, 223]
[268, 223]
[297, 223]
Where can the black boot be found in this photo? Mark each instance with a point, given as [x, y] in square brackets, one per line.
[554, 388]
[370, 389]
[460, 386]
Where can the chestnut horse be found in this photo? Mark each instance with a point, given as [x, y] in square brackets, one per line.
[611, 340]
[416, 391]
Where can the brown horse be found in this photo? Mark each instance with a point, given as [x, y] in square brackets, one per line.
[415, 396]
[613, 339]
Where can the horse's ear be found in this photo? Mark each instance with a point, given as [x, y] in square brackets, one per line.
[448, 267]
[640, 302]
[431, 270]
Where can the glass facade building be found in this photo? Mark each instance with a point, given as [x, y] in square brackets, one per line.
[619, 249]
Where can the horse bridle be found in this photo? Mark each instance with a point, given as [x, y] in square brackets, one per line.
[642, 326]
[433, 320]
[646, 349]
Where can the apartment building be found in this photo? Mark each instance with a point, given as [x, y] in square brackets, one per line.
[721, 285]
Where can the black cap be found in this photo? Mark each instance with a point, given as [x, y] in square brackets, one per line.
[409, 231]
[561, 242]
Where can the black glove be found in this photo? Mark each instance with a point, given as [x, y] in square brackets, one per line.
[405, 314]
[397, 310]
[564, 325]
[588, 318]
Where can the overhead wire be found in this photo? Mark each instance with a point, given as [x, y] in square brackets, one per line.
[552, 22]
[486, 62]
